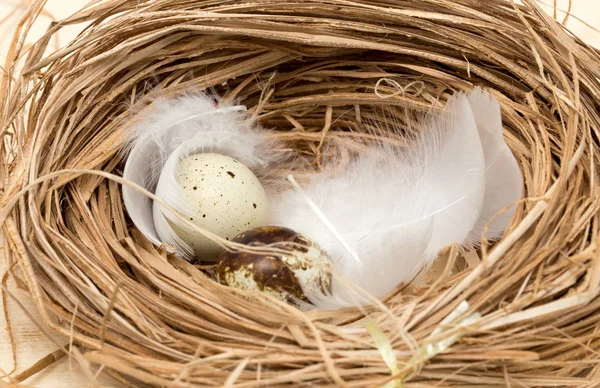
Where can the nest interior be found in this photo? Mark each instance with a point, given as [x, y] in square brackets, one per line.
[310, 69]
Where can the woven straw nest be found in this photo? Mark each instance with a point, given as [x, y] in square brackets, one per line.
[310, 69]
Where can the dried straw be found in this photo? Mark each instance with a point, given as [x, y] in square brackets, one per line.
[526, 315]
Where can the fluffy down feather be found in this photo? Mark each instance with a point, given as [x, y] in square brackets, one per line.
[395, 208]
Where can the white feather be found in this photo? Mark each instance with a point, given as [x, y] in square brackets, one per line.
[503, 178]
[170, 130]
[387, 214]
[395, 207]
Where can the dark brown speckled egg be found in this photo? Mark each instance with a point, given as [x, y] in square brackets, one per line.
[279, 275]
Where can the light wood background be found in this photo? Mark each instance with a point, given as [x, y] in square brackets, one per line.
[32, 343]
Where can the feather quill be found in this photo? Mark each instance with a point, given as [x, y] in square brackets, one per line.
[171, 130]
[397, 207]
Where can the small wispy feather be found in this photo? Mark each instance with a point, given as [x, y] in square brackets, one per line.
[172, 129]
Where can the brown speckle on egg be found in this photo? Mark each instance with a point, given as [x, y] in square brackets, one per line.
[280, 275]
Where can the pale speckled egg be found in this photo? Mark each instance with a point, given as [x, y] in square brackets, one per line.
[282, 275]
[229, 199]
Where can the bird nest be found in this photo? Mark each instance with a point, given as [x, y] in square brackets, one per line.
[525, 314]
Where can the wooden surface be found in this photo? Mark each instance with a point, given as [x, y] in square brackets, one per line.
[32, 344]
